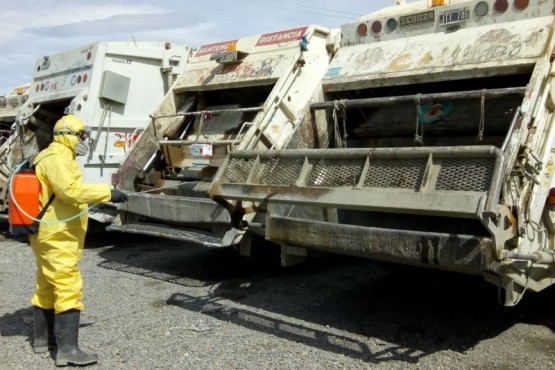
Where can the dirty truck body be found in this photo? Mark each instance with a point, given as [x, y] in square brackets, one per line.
[111, 86]
[441, 151]
[9, 103]
[250, 93]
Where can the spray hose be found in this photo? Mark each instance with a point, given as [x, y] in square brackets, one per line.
[10, 189]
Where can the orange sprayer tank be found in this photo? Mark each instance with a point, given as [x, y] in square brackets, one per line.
[25, 190]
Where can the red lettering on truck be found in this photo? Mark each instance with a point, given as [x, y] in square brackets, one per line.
[217, 47]
[281, 36]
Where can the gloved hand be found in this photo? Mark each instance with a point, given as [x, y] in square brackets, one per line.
[118, 196]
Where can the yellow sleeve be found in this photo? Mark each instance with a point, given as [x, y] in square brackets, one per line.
[66, 180]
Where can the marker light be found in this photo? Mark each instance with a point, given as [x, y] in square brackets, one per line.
[481, 9]
[391, 24]
[521, 4]
[438, 2]
[362, 30]
[501, 6]
[377, 27]
[551, 198]
[231, 47]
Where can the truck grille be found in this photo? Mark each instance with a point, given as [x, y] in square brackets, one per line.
[445, 181]
[238, 170]
[279, 171]
[334, 172]
[203, 237]
[398, 173]
[465, 174]
[456, 174]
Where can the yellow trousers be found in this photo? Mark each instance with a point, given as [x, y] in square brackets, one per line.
[59, 284]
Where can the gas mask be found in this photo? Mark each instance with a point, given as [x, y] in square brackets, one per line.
[82, 148]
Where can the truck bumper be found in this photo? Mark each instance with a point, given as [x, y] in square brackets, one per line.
[463, 253]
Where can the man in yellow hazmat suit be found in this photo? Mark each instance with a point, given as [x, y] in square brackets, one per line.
[58, 245]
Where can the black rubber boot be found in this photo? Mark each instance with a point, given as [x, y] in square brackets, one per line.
[66, 328]
[44, 330]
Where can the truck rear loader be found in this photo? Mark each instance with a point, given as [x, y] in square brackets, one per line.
[111, 86]
[245, 93]
[440, 115]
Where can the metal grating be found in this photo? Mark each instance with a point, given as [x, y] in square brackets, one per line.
[281, 171]
[238, 170]
[204, 237]
[465, 174]
[336, 172]
[396, 173]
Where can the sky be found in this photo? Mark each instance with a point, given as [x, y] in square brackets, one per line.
[32, 29]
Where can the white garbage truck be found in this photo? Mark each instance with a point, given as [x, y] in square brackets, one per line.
[245, 93]
[441, 151]
[9, 103]
[111, 86]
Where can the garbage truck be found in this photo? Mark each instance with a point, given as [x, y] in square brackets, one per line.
[246, 93]
[9, 103]
[111, 86]
[441, 149]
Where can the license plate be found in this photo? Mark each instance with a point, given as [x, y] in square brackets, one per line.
[454, 16]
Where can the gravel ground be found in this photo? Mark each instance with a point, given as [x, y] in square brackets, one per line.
[158, 304]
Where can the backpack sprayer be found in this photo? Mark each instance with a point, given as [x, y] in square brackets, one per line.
[23, 211]
[25, 186]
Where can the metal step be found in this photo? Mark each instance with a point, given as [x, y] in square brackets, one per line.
[177, 209]
[203, 237]
[438, 181]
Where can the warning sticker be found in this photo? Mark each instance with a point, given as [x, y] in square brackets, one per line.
[281, 36]
[201, 150]
[217, 47]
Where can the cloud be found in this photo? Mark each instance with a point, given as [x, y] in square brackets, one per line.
[17, 20]
[121, 24]
[32, 29]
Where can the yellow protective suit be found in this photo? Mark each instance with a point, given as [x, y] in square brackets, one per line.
[58, 246]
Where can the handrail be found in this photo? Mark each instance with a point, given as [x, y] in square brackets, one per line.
[198, 113]
[391, 100]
